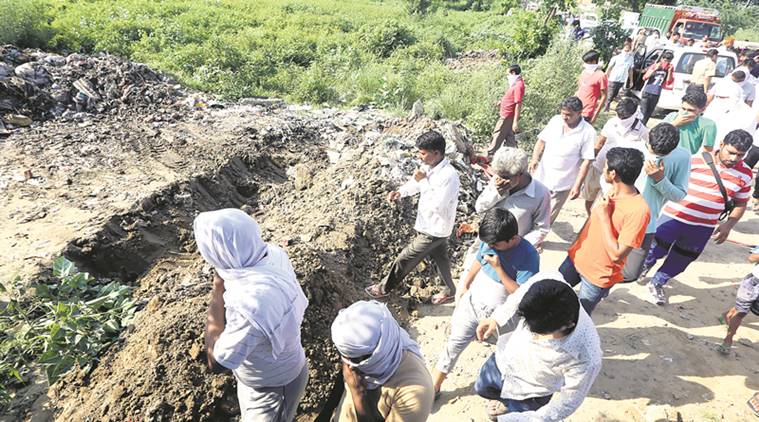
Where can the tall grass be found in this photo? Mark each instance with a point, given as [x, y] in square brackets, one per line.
[315, 51]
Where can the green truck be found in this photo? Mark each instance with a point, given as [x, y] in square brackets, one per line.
[690, 22]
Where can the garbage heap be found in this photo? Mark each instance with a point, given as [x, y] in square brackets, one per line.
[38, 86]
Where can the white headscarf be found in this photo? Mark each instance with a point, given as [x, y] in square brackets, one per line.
[368, 328]
[259, 281]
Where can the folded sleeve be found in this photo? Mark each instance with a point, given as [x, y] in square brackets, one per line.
[236, 342]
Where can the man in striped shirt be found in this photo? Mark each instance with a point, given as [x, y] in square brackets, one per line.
[685, 227]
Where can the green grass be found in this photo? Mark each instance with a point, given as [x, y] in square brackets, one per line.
[340, 53]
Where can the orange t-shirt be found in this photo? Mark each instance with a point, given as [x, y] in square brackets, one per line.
[629, 218]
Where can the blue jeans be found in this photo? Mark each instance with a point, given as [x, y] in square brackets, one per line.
[590, 294]
[490, 383]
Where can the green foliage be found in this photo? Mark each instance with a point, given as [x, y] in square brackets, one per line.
[748, 34]
[529, 37]
[733, 15]
[544, 90]
[503, 7]
[608, 35]
[418, 7]
[25, 22]
[384, 38]
[58, 326]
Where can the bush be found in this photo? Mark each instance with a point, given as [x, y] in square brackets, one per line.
[529, 37]
[58, 326]
[544, 90]
[25, 23]
[384, 38]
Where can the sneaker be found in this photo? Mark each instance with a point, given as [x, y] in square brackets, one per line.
[657, 293]
[494, 409]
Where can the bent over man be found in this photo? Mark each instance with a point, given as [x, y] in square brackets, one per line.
[254, 317]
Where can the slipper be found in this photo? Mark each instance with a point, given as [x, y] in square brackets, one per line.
[723, 349]
[375, 292]
[442, 298]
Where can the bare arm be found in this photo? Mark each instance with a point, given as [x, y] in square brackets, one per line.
[599, 105]
[517, 111]
[707, 82]
[753, 258]
[471, 274]
[723, 230]
[510, 285]
[575, 191]
[215, 321]
[616, 251]
[600, 142]
[537, 153]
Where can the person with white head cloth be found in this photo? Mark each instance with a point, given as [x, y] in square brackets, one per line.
[254, 317]
[384, 371]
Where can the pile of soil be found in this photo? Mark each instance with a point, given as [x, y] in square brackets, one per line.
[131, 184]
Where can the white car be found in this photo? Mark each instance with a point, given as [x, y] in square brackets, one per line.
[684, 60]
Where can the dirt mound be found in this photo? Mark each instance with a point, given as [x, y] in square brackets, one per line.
[315, 179]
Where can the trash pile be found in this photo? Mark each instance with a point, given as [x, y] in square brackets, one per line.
[38, 86]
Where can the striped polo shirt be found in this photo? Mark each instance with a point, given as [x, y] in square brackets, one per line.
[704, 203]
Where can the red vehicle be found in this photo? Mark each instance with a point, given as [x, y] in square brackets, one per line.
[688, 21]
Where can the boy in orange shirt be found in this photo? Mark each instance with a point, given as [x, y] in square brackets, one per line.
[616, 226]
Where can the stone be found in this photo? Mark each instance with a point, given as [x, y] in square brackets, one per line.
[302, 177]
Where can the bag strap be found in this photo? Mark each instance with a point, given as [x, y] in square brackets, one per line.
[709, 160]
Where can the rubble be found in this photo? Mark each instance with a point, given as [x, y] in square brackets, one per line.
[41, 86]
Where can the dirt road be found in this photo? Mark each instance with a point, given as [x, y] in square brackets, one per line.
[658, 361]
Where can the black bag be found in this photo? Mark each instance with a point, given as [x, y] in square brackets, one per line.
[729, 203]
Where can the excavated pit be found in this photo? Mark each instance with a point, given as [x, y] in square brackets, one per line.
[339, 238]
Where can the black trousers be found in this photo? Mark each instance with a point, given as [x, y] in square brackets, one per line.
[752, 157]
[648, 105]
[614, 88]
[421, 247]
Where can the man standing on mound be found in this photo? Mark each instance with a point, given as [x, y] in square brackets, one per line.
[437, 183]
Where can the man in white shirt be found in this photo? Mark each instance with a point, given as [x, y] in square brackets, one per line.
[620, 71]
[728, 110]
[562, 154]
[437, 182]
[729, 87]
[544, 368]
[625, 130]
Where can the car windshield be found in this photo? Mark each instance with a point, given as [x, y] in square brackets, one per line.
[697, 30]
[725, 64]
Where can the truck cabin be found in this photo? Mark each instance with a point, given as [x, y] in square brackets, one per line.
[697, 30]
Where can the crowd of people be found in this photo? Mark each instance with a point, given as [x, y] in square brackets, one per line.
[651, 194]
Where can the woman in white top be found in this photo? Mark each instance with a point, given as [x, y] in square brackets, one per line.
[254, 317]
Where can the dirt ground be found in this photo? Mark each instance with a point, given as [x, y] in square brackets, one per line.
[116, 193]
[660, 363]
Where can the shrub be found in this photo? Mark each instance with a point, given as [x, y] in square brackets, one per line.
[387, 36]
[529, 37]
[25, 22]
[58, 326]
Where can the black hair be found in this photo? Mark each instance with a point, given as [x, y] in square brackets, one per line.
[576, 22]
[515, 69]
[740, 139]
[713, 52]
[664, 138]
[695, 98]
[548, 306]
[590, 57]
[628, 40]
[626, 162]
[431, 141]
[668, 55]
[498, 225]
[572, 103]
[626, 107]
[739, 76]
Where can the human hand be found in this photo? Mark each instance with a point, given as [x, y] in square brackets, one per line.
[460, 290]
[501, 184]
[464, 228]
[683, 119]
[492, 260]
[419, 174]
[532, 166]
[393, 196]
[721, 232]
[515, 127]
[603, 204]
[485, 328]
[653, 170]
[364, 400]
[574, 193]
